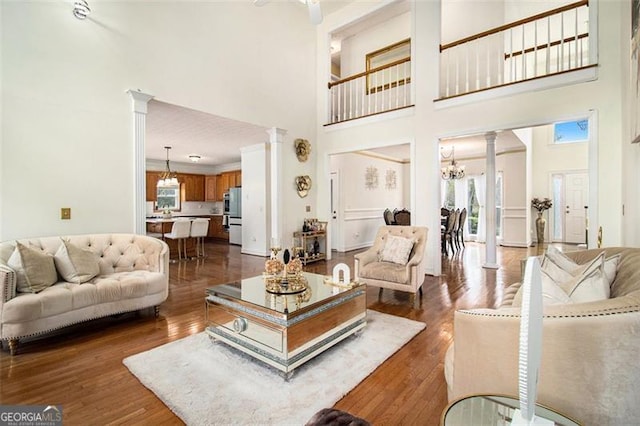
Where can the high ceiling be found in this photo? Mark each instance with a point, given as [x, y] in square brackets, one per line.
[217, 140]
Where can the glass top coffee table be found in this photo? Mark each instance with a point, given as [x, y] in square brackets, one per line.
[284, 330]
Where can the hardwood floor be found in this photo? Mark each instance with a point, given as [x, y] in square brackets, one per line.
[81, 367]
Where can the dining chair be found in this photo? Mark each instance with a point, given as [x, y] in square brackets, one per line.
[388, 217]
[402, 217]
[460, 228]
[447, 233]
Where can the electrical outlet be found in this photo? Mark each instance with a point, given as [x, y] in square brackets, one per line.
[65, 213]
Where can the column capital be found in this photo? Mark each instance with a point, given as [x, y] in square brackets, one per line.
[140, 100]
[490, 137]
[276, 135]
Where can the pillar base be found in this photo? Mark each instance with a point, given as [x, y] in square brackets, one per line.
[491, 266]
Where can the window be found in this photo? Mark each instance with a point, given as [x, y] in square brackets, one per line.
[168, 198]
[449, 194]
[499, 205]
[473, 209]
[558, 200]
[571, 131]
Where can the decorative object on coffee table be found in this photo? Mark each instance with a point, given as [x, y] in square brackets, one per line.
[541, 206]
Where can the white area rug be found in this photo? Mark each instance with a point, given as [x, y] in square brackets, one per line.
[208, 383]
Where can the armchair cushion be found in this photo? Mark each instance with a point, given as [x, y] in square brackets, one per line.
[385, 271]
[34, 269]
[397, 250]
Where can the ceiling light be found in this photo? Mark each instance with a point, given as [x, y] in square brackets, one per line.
[452, 171]
[194, 158]
[168, 178]
[81, 9]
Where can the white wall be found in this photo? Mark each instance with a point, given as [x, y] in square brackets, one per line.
[67, 134]
[431, 121]
[255, 204]
[464, 18]
[361, 208]
[355, 48]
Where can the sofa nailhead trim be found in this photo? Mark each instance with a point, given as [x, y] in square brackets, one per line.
[605, 312]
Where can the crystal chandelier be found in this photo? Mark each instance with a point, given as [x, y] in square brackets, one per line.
[168, 178]
[452, 171]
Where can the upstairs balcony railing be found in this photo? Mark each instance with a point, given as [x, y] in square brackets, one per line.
[381, 89]
[548, 43]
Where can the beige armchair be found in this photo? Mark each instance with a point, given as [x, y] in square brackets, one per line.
[408, 277]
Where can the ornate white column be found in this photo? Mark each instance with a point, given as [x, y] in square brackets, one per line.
[139, 101]
[276, 137]
[490, 202]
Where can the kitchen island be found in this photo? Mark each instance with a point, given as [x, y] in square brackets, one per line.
[159, 227]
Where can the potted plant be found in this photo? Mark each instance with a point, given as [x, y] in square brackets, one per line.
[541, 205]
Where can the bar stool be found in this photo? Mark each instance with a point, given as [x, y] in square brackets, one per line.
[199, 230]
[180, 231]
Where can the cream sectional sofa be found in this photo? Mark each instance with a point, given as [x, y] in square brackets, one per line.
[589, 369]
[131, 273]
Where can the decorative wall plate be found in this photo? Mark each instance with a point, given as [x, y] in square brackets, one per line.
[303, 185]
[303, 149]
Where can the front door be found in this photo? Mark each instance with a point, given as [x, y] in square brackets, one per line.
[576, 190]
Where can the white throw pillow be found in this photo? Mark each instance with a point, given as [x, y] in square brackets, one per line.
[396, 250]
[76, 265]
[591, 285]
[552, 293]
[611, 268]
[34, 269]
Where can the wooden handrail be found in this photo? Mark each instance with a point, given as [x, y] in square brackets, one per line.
[371, 71]
[515, 24]
[545, 45]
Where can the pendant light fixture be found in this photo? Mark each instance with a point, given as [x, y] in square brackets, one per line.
[452, 171]
[168, 178]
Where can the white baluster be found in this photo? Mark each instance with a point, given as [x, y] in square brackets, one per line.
[576, 38]
[524, 59]
[535, 49]
[548, 61]
[561, 60]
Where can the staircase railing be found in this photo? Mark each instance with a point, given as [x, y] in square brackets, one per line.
[548, 43]
[381, 89]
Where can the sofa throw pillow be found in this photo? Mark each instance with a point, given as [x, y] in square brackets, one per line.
[611, 268]
[35, 269]
[552, 293]
[75, 264]
[561, 260]
[396, 250]
[591, 285]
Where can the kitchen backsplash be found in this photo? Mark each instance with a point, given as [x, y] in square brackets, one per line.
[192, 208]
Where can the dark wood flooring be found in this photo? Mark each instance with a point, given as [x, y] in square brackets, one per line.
[81, 367]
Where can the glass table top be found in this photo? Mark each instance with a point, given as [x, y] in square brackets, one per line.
[254, 291]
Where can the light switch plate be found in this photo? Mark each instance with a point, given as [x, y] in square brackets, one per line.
[308, 209]
[65, 213]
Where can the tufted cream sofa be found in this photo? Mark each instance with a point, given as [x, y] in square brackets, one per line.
[589, 369]
[409, 278]
[134, 274]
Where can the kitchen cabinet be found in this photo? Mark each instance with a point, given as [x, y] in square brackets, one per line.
[216, 230]
[191, 187]
[227, 180]
[152, 185]
[210, 188]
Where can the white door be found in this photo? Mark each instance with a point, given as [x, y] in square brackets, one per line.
[576, 193]
[335, 209]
